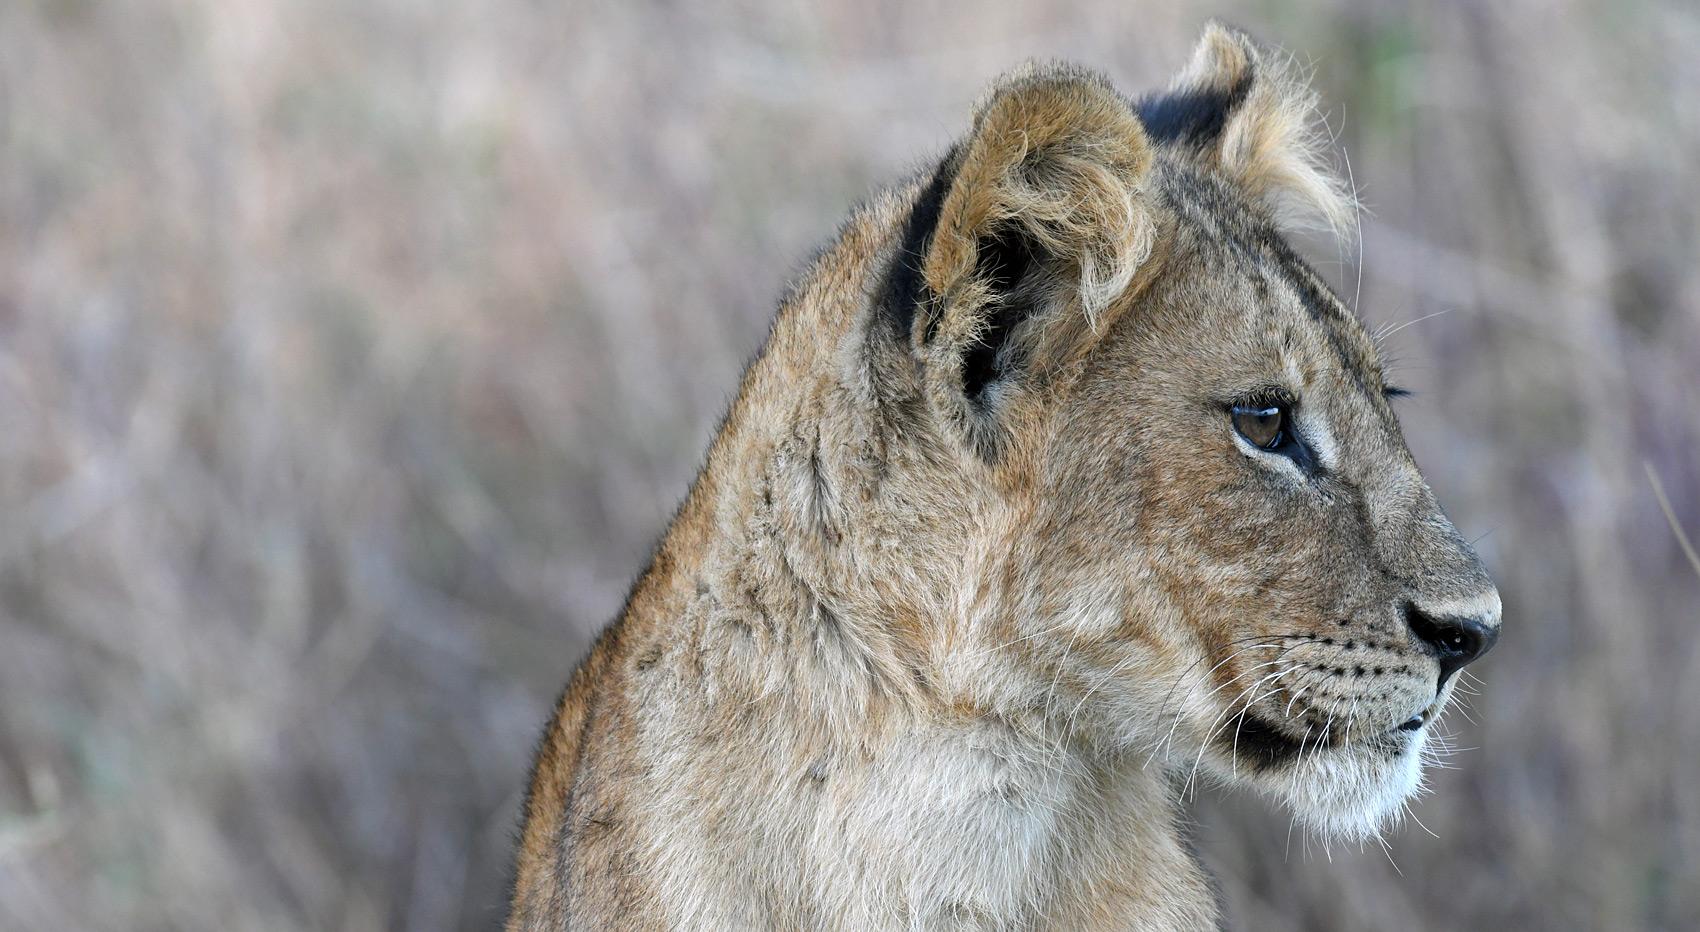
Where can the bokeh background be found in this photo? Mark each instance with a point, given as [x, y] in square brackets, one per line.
[354, 352]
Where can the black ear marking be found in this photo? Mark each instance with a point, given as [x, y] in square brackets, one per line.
[1193, 116]
[1002, 262]
[904, 289]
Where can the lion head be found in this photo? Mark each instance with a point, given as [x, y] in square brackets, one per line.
[1197, 533]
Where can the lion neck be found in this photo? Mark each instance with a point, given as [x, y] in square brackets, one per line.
[840, 562]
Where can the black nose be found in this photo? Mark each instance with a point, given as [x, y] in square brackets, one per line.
[1454, 641]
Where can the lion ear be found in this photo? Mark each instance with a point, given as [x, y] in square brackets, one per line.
[1041, 225]
[1250, 114]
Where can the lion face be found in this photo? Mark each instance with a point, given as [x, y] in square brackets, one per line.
[1295, 601]
[1222, 553]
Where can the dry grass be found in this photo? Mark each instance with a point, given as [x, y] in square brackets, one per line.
[353, 353]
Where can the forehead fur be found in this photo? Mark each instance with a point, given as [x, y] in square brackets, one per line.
[1249, 113]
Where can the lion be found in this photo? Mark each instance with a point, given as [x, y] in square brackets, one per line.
[1060, 484]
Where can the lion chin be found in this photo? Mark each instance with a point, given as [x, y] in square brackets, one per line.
[1354, 793]
[1354, 796]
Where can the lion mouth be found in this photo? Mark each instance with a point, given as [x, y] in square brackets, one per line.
[1265, 745]
[1421, 717]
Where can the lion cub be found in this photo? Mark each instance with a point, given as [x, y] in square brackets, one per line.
[1061, 482]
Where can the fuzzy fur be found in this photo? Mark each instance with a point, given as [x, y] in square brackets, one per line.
[1275, 145]
[922, 650]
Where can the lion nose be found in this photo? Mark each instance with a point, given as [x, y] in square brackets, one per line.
[1455, 640]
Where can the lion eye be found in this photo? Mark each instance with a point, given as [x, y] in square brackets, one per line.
[1261, 426]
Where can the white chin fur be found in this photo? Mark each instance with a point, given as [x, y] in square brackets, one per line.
[1355, 795]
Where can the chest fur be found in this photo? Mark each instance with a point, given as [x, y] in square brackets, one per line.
[931, 826]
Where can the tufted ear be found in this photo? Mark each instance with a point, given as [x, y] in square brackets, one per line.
[1250, 114]
[1028, 234]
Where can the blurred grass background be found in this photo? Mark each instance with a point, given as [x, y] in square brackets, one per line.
[354, 352]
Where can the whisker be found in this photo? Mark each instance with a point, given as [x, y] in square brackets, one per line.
[1026, 637]
[1215, 729]
[1168, 739]
[1387, 332]
[1068, 728]
[1182, 678]
[1357, 211]
[1234, 760]
[1388, 850]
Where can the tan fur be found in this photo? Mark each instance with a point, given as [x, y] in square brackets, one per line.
[916, 655]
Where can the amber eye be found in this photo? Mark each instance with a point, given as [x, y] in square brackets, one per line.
[1262, 426]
